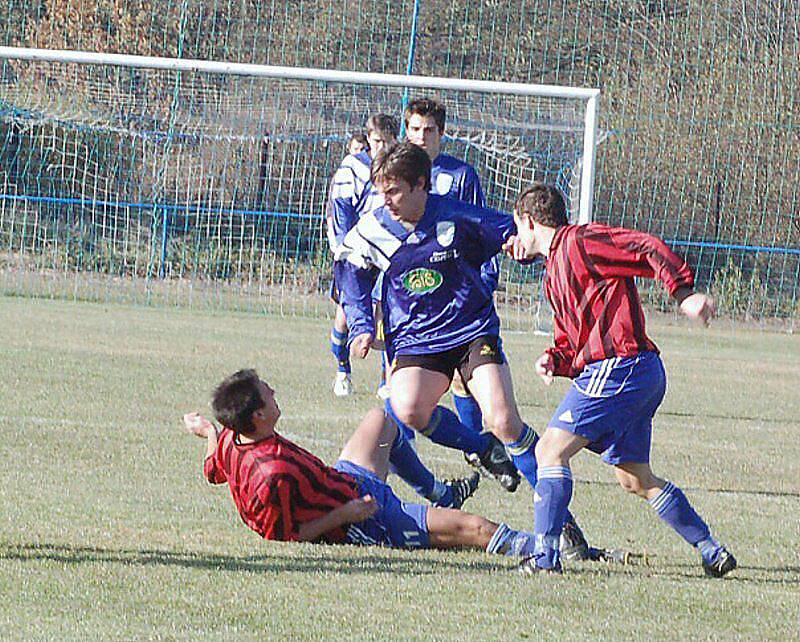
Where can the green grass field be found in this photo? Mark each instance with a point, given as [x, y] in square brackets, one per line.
[110, 532]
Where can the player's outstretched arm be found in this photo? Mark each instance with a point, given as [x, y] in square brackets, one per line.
[695, 305]
[356, 510]
[198, 425]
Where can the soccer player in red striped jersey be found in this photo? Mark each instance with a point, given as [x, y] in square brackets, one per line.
[283, 492]
[618, 379]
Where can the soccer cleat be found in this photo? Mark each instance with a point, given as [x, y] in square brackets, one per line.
[721, 564]
[343, 385]
[383, 392]
[528, 567]
[496, 462]
[462, 489]
[573, 544]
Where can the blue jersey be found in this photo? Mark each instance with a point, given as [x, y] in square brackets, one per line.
[455, 178]
[459, 180]
[434, 298]
[351, 195]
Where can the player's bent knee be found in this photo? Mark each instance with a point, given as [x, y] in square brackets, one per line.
[412, 416]
[505, 424]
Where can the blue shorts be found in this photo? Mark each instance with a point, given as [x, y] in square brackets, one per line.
[612, 403]
[396, 523]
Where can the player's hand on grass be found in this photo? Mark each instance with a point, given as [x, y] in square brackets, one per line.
[357, 510]
[198, 425]
[361, 344]
[544, 367]
[697, 306]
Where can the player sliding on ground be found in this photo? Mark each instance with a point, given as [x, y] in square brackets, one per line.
[439, 317]
[618, 379]
[283, 492]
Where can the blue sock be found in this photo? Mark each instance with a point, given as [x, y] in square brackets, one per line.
[469, 412]
[550, 501]
[523, 454]
[408, 466]
[673, 507]
[507, 541]
[445, 429]
[340, 350]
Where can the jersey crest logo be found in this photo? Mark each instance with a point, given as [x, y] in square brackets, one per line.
[422, 280]
[487, 351]
[445, 233]
[443, 183]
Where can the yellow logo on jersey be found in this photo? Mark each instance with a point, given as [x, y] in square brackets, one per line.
[487, 351]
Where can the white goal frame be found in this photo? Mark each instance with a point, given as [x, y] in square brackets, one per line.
[590, 97]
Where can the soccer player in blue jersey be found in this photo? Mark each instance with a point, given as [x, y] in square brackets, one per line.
[439, 318]
[350, 195]
[618, 378]
[425, 121]
[353, 195]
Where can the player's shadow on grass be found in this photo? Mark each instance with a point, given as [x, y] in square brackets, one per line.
[706, 489]
[271, 562]
[744, 574]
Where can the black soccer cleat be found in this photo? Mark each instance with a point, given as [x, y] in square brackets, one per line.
[496, 462]
[722, 564]
[462, 490]
[573, 545]
[528, 567]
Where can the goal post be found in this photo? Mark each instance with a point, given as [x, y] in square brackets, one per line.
[233, 160]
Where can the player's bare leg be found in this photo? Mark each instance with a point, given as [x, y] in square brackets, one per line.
[415, 394]
[449, 528]
[494, 391]
[456, 529]
[673, 508]
[369, 446]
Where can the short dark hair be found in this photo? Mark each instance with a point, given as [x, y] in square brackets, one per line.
[236, 399]
[384, 124]
[405, 161]
[359, 138]
[427, 107]
[544, 204]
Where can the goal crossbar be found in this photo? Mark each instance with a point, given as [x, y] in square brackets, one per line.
[589, 95]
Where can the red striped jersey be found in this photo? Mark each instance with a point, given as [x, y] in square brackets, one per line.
[277, 486]
[590, 284]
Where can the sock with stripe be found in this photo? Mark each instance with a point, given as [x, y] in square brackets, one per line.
[340, 350]
[445, 429]
[407, 465]
[507, 541]
[523, 454]
[673, 507]
[469, 412]
[550, 500]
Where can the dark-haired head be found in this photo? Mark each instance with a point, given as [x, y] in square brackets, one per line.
[543, 204]
[405, 161]
[236, 399]
[427, 107]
